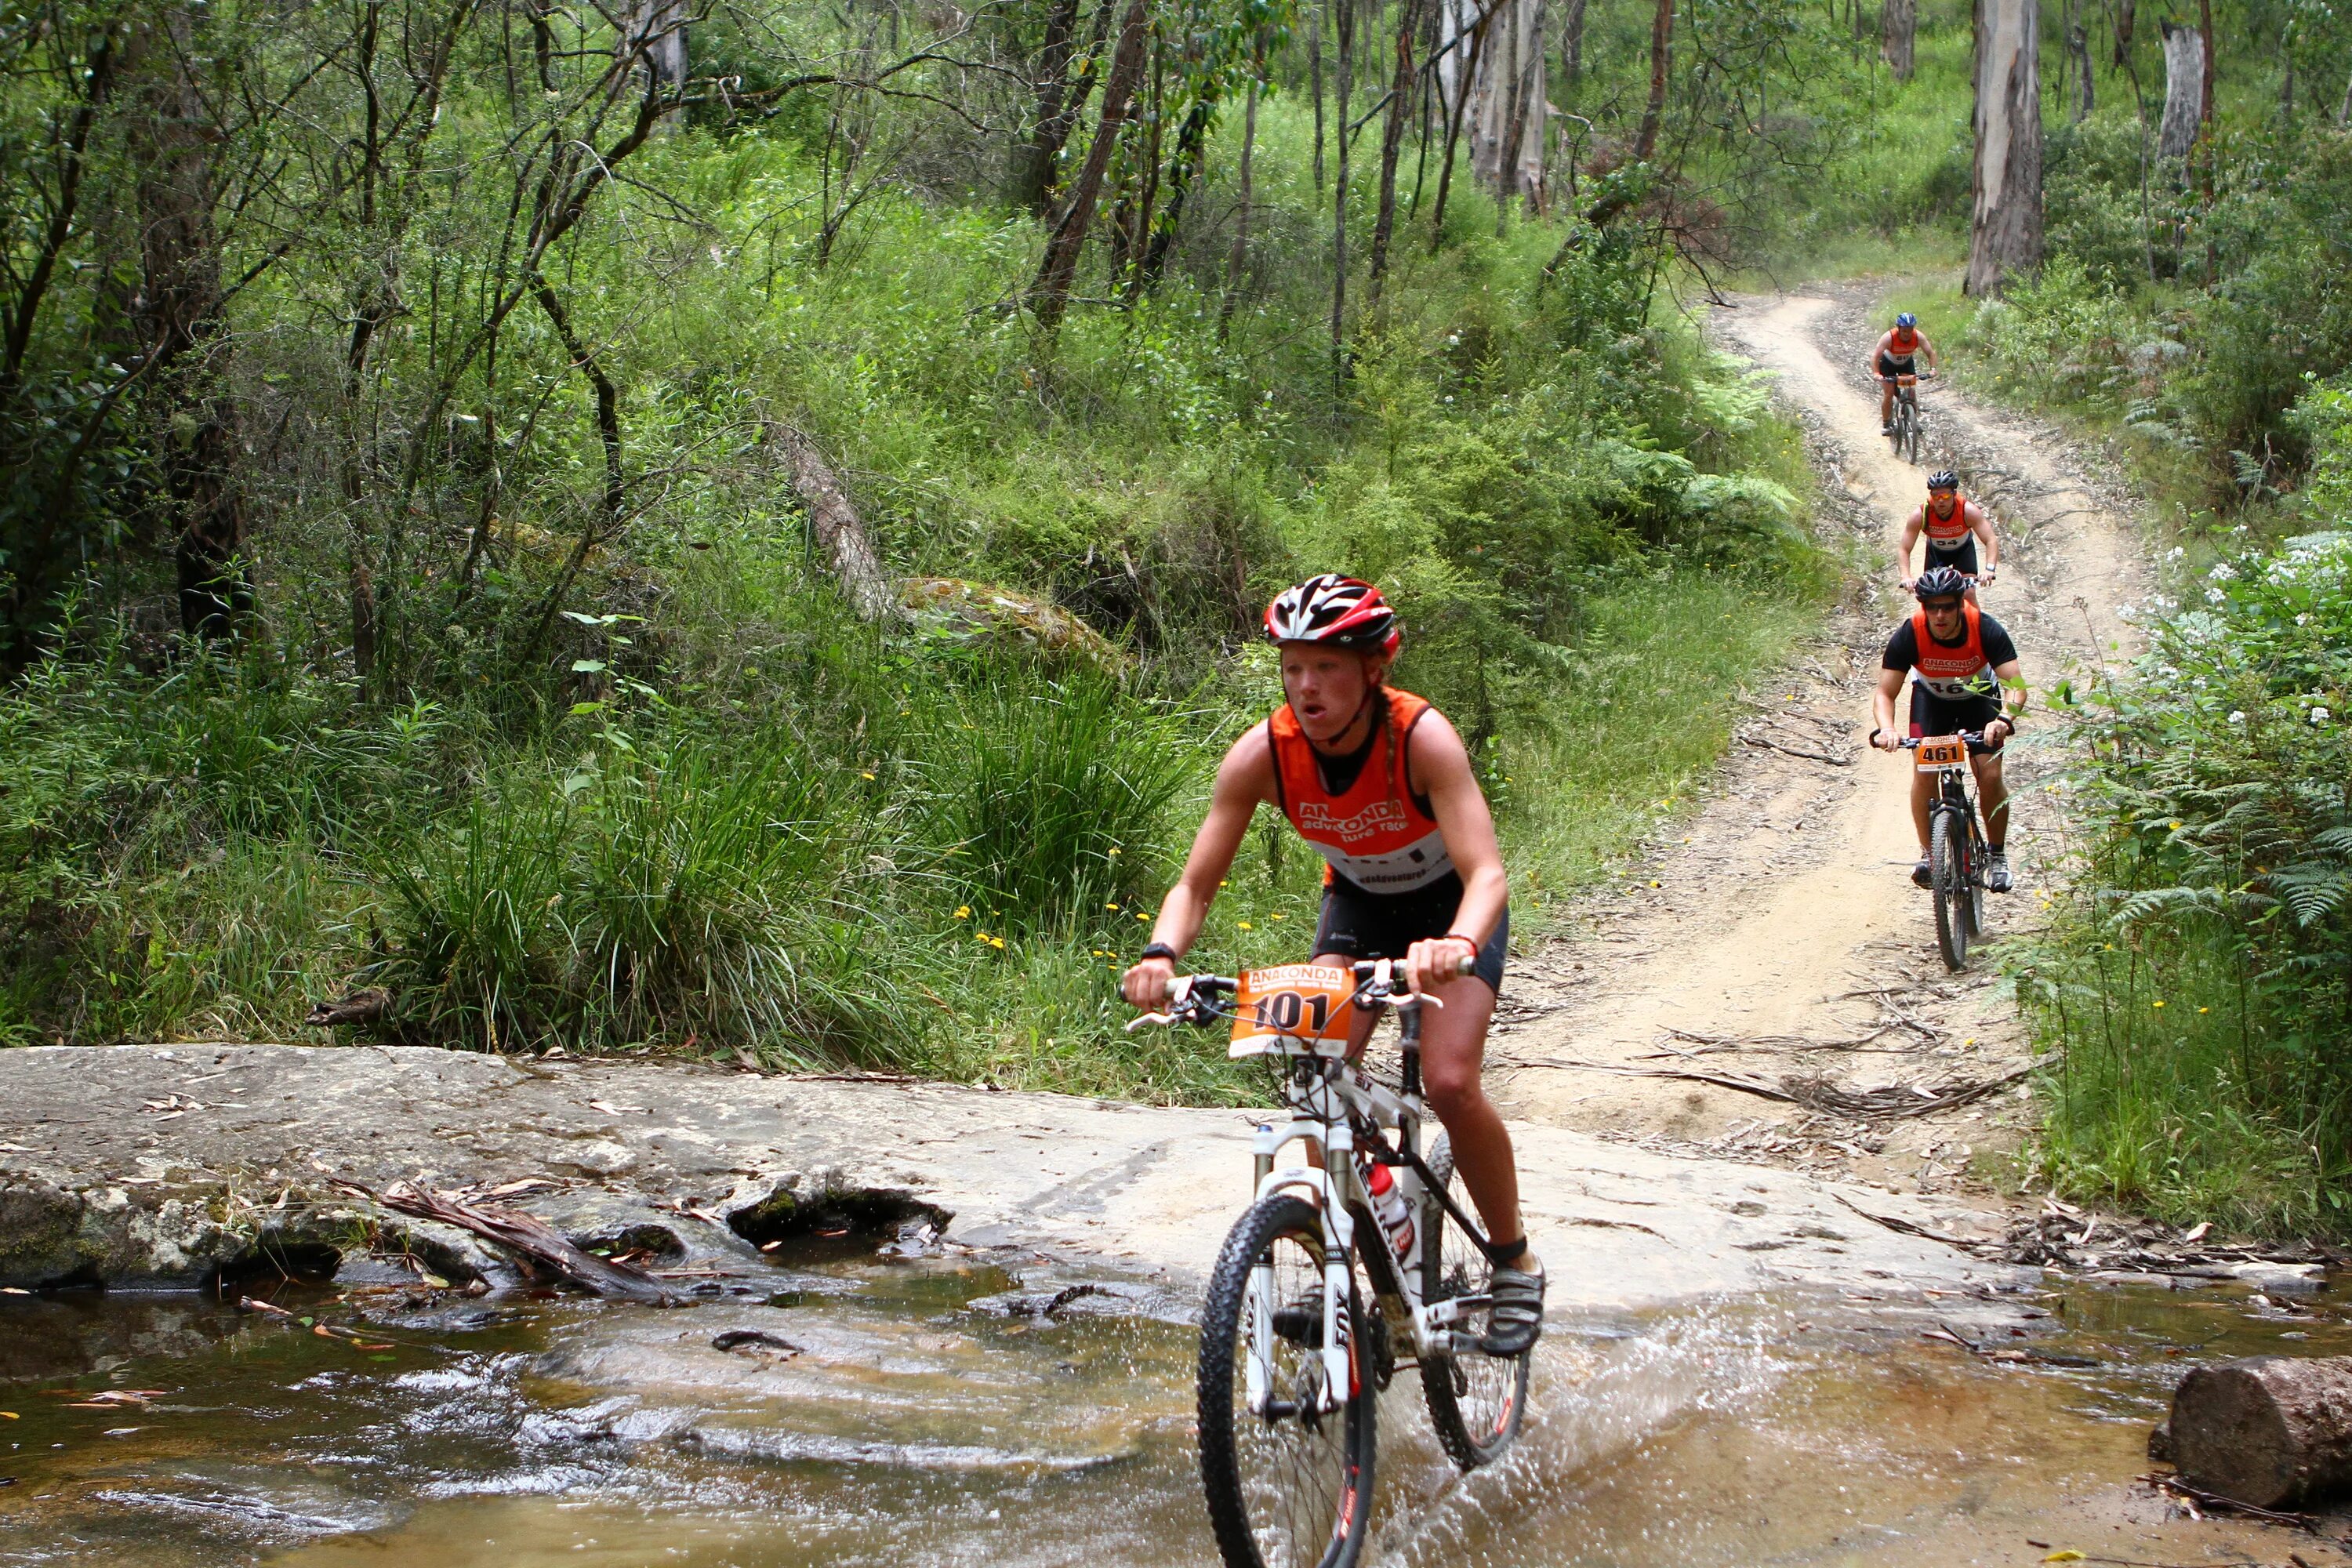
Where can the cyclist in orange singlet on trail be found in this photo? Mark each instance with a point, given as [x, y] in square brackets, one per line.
[1897, 354]
[1954, 526]
[1380, 786]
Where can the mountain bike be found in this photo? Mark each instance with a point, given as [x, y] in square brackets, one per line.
[1956, 847]
[1908, 435]
[1291, 1360]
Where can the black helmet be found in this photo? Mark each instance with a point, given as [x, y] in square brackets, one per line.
[1940, 582]
[1943, 479]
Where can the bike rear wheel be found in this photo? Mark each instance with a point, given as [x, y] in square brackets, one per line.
[1292, 1486]
[1948, 875]
[1475, 1400]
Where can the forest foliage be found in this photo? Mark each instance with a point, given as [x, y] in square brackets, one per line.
[406, 582]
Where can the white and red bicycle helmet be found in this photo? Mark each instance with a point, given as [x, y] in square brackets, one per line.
[1345, 612]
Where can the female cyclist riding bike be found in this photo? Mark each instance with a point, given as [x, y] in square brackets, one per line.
[1381, 785]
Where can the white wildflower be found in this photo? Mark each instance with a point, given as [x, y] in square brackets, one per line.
[2321, 715]
[2237, 716]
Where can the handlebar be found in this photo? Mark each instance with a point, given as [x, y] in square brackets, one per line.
[1193, 998]
[1974, 738]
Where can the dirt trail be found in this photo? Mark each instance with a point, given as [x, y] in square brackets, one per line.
[1781, 938]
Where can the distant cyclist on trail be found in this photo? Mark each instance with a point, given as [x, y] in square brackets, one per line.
[1897, 354]
[1958, 659]
[1954, 526]
[1381, 785]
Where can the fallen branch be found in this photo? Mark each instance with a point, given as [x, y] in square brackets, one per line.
[1904, 1226]
[539, 1246]
[1797, 751]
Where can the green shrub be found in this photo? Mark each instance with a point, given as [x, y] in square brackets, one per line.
[2198, 985]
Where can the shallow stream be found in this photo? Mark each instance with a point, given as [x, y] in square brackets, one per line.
[937, 1411]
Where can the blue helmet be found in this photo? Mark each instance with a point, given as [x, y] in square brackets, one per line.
[1906, 321]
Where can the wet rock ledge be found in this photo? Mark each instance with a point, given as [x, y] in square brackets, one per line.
[188, 1166]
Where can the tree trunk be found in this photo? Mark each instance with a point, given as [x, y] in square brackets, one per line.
[2184, 92]
[2270, 1431]
[1033, 165]
[2005, 228]
[655, 30]
[1466, 66]
[1571, 42]
[1391, 146]
[836, 529]
[1898, 25]
[1049, 295]
[2125, 19]
[1662, 42]
[1507, 141]
[1315, 80]
[1237, 258]
[2078, 50]
[1345, 12]
[2205, 85]
[178, 311]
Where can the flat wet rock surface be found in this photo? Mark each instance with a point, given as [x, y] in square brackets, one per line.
[173, 1164]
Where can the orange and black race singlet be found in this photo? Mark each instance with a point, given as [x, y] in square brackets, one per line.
[1955, 673]
[1946, 532]
[1903, 344]
[1374, 833]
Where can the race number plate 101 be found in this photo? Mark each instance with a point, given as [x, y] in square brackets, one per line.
[1945, 752]
[1296, 1006]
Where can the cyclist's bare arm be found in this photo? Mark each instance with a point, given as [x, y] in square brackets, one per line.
[1439, 767]
[1882, 734]
[1934, 359]
[2012, 675]
[1245, 779]
[1883, 346]
[1981, 522]
[1913, 526]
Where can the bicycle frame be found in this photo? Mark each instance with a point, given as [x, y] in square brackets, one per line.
[1330, 1100]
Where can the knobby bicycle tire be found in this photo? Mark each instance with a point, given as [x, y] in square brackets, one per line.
[1978, 855]
[1947, 873]
[1475, 1400]
[1911, 430]
[1303, 1489]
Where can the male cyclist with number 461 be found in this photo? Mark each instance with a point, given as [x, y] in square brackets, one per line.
[1897, 354]
[1380, 786]
[1959, 658]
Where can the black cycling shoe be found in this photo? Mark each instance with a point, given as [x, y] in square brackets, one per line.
[1515, 1313]
[1921, 876]
[1997, 872]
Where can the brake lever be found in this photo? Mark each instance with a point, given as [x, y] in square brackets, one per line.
[1139, 1020]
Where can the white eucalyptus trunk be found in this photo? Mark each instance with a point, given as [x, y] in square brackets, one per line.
[1508, 117]
[2005, 225]
[2184, 91]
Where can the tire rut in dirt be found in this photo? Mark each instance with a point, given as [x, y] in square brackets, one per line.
[1475, 1402]
[1286, 1493]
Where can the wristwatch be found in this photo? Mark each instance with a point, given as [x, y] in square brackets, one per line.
[1159, 950]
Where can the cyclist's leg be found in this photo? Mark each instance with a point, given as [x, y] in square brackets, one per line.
[1923, 786]
[1349, 931]
[1992, 799]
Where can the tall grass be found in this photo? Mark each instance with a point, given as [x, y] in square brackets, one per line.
[2195, 987]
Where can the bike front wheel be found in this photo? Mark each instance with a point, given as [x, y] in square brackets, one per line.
[1911, 434]
[1475, 1400]
[1289, 1484]
[1949, 874]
